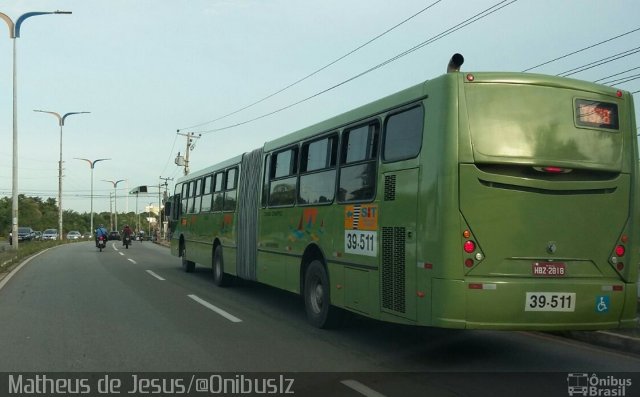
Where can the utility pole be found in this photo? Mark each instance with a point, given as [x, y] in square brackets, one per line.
[162, 221]
[184, 161]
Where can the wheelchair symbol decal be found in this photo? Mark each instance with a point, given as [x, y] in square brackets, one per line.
[602, 304]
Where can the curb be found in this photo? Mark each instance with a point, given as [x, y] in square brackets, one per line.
[16, 269]
[608, 339]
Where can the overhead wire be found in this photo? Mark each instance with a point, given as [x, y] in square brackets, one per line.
[599, 62]
[615, 74]
[582, 49]
[315, 71]
[483, 14]
[623, 80]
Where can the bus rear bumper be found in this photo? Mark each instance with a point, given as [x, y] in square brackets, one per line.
[534, 304]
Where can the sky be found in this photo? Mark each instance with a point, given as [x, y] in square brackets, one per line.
[145, 69]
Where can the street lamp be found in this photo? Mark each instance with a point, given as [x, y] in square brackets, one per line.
[92, 164]
[61, 124]
[115, 197]
[14, 33]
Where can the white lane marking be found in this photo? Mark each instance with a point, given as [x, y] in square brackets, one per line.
[121, 253]
[6, 279]
[155, 275]
[132, 261]
[221, 312]
[114, 247]
[360, 388]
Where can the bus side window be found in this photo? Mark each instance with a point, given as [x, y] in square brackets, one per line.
[403, 135]
[265, 181]
[358, 163]
[282, 190]
[218, 189]
[191, 191]
[197, 199]
[207, 193]
[318, 171]
[185, 198]
[230, 195]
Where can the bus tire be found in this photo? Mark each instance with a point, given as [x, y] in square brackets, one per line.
[219, 277]
[187, 265]
[317, 299]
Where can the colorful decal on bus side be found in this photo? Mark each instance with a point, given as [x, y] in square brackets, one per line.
[307, 226]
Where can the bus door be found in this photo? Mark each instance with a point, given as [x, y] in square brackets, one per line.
[398, 213]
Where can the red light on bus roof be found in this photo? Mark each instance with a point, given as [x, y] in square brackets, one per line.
[620, 250]
[470, 77]
[469, 246]
[619, 94]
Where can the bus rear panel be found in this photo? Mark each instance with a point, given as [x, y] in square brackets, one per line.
[547, 209]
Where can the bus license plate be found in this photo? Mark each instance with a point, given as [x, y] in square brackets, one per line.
[550, 302]
[548, 269]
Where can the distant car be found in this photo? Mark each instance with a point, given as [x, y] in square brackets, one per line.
[50, 234]
[37, 235]
[25, 234]
[114, 235]
[74, 235]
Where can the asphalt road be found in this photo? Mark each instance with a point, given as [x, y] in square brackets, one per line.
[74, 309]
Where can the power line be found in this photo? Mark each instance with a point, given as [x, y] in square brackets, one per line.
[623, 80]
[316, 71]
[483, 14]
[175, 139]
[599, 62]
[616, 74]
[582, 49]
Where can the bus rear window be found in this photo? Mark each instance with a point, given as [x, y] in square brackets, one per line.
[596, 114]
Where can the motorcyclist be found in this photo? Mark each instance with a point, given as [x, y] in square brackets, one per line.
[126, 232]
[101, 232]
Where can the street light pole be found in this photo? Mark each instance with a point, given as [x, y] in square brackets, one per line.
[92, 164]
[115, 197]
[14, 33]
[61, 124]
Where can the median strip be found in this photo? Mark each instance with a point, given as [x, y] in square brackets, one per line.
[221, 312]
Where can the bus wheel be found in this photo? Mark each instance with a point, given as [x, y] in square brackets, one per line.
[187, 265]
[219, 278]
[317, 300]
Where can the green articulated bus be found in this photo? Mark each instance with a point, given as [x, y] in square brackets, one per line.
[473, 200]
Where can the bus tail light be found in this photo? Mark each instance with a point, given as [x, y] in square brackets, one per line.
[469, 246]
[618, 255]
[471, 252]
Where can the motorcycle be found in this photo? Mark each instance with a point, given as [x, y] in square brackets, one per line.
[102, 243]
[126, 240]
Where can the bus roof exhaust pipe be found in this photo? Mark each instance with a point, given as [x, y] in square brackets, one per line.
[454, 64]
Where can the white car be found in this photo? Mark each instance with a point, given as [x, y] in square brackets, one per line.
[74, 235]
[50, 234]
